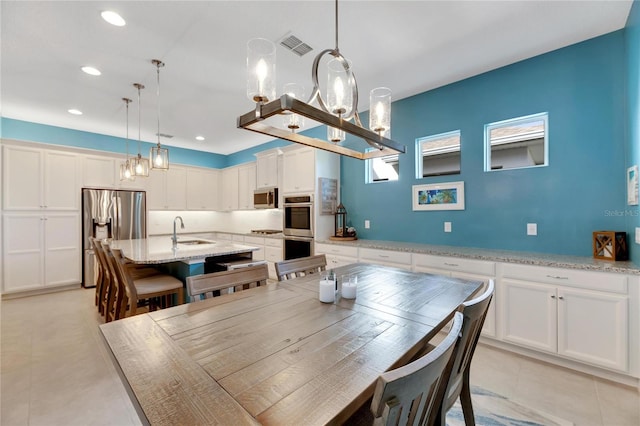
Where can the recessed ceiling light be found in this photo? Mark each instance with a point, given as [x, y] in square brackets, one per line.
[113, 18]
[75, 112]
[199, 138]
[91, 70]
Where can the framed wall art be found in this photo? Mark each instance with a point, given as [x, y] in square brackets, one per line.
[438, 196]
[632, 186]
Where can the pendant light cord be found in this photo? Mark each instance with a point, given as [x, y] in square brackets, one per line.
[337, 49]
[127, 100]
[158, 63]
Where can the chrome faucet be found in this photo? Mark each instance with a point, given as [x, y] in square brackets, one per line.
[175, 236]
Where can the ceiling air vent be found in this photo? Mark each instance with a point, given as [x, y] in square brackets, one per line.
[164, 135]
[295, 45]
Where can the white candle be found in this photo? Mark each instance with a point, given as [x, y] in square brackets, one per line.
[349, 286]
[327, 291]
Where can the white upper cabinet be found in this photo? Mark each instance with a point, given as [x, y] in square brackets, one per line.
[246, 185]
[167, 190]
[99, 172]
[229, 189]
[299, 171]
[267, 169]
[36, 179]
[202, 189]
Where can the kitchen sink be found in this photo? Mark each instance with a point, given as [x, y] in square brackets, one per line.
[195, 242]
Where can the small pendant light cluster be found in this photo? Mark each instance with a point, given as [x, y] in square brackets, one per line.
[158, 156]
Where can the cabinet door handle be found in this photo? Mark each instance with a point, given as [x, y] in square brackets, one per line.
[451, 264]
[553, 296]
[561, 297]
[383, 255]
[557, 277]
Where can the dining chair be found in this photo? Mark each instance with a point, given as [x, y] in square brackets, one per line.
[474, 312]
[116, 297]
[104, 286]
[288, 269]
[209, 285]
[149, 290]
[412, 394]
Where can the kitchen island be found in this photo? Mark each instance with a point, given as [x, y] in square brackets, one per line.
[192, 256]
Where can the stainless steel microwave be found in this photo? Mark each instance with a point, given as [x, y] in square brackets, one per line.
[265, 198]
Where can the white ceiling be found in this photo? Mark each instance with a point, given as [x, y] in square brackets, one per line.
[408, 46]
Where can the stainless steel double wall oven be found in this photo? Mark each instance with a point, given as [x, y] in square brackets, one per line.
[298, 226]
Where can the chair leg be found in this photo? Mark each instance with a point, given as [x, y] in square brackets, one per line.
[465, 401]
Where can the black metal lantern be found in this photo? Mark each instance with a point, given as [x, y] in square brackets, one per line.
[341, 221]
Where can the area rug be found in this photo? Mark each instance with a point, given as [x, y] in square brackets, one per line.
[491, 409]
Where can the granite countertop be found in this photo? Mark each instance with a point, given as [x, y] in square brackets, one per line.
[155, 250]
[212, 235]
[493, 255]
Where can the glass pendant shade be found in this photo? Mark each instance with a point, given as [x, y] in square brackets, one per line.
[380, 111]
[339, 88]
[335, 135]
[126, 171]
[140, 166]
[291, 120]
[261, 70]
[159, 158]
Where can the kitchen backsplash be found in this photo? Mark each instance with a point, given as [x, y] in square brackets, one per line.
[161, 222]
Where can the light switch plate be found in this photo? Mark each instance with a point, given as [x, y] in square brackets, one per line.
[532, 229]
[637, 235]
[447, 227]
[367, 224]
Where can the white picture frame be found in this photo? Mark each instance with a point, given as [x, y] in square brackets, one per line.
[438, 196]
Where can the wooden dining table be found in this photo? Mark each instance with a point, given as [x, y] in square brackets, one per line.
[275, 354]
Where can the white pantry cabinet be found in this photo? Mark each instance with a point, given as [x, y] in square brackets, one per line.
[298, 170]
[576, 314]
[41, 250]
[37, 179]
[202, 189]
[167, 190]
[468, 269]
[267, 169]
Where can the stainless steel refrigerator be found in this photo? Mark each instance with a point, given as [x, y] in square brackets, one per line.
[106, 213]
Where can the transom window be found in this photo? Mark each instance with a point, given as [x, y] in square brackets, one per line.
[438, 155]
[382, 169]
[517, 143]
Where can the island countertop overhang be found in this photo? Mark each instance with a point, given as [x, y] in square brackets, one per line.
[158, 250]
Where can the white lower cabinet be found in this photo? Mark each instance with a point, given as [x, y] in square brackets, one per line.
[41, 250]
[337, 255]
[398, 259]
[573, 320]
[468, 269]
[273, 254]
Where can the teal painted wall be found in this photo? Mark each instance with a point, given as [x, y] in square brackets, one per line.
[583, 188]
[34, 132]
[632, 52]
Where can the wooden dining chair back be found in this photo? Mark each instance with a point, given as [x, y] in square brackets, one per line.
[148, 291]
[104, 276]
[412, 394]
[215, 283]
[117, 298]
[474, 312]
[289, 269]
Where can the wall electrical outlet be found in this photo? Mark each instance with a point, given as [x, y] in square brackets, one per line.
[637, 235]
[447, 227]
[532, 229]
[367, 224]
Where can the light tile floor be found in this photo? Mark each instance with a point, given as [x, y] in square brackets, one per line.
[55, 370]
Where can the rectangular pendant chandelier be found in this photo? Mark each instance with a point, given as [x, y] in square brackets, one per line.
[255, 121]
